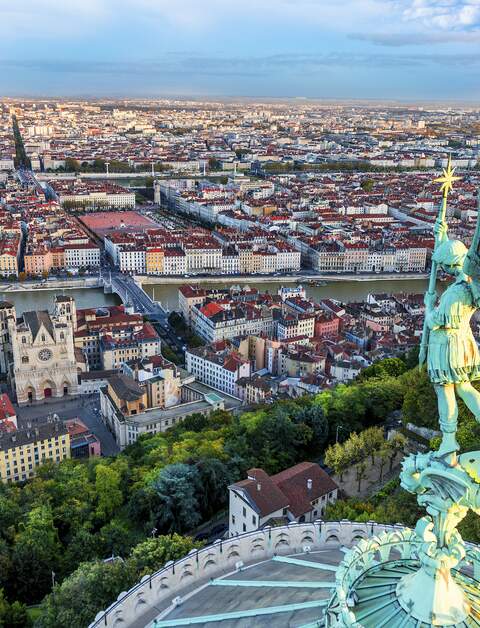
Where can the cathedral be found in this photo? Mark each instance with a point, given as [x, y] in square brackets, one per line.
[44, 362]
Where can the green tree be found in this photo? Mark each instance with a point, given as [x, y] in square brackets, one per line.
[214, 164]
[420, 402]
[336, 458]
[116, 538]
[396, 445]
[367, 185]
[36, 554]
[72, 165]
[393, 367]
[89, 589]
[214, 478]
[273, 439]
[12, 615]
[372, 441]
[314, 417]
[109, 494]
[360, 473]
[177, 487]
[383, 458]
[150, 555]
[84, 545]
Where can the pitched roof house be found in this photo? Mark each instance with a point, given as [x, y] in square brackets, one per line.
[298, 494]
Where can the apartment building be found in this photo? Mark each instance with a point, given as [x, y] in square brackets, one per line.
[218, 365]
[291, 326]
[213, 321]
[23, 450]
[81, 256]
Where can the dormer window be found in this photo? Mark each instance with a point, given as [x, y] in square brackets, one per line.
[24, 340]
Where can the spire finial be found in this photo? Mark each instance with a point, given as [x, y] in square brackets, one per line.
[447, 179]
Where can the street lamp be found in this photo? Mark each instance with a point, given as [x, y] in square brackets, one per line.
[339, 427]
[154, 532]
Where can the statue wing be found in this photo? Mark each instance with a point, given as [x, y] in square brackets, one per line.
[445, 485]
[472, 261]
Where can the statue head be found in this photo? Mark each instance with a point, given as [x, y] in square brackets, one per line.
[450, 255]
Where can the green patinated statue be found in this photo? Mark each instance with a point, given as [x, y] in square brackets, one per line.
[447, 485]
[448, 345]
[453, 358]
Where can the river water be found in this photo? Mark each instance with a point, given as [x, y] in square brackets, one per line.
[167, 294]
[43, 299]
[344, 291]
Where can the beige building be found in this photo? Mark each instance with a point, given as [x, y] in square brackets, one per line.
[23, 450]
[154, 261]
[44, 362]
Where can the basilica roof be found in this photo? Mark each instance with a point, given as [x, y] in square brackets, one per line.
[35, 320]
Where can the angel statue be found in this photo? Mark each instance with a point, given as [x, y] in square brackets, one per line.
[448, 345]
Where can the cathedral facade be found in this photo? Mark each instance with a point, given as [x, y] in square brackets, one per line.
[44, 363]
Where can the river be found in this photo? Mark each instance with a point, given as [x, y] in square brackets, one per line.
[43, 299]
[167, 294]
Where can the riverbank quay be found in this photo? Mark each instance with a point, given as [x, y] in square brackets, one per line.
[68, 283]
[297, 278]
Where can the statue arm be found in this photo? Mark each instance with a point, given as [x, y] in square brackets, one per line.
[440, 230]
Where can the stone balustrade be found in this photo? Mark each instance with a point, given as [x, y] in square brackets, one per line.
[222, 557]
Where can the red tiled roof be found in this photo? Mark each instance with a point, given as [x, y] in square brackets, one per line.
[211, 309]
[289, 488]
[6, 407]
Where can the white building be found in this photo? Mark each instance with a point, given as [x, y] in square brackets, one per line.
[99, 198]
[174, 262]
[212, 322]
[299, 494]
[82, 256]
[218, 369]
[131, 260]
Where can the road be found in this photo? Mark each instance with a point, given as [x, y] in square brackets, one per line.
[133, 294]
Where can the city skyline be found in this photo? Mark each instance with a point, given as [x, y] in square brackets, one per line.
[365, 49]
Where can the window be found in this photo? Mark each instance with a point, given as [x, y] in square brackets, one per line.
[233, 519]
[244, 511]
[24, 359]
[254, 520]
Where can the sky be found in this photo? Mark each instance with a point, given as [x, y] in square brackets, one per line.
[409, 50]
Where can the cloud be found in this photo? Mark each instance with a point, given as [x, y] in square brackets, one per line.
[443, 14]
[417, 39]
[43, 18]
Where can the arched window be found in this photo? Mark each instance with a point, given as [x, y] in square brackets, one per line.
[24, 359]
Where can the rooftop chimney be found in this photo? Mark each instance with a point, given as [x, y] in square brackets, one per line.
[309, 484]
[259, 486]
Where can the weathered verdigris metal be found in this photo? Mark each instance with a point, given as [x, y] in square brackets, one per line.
[430, 586]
